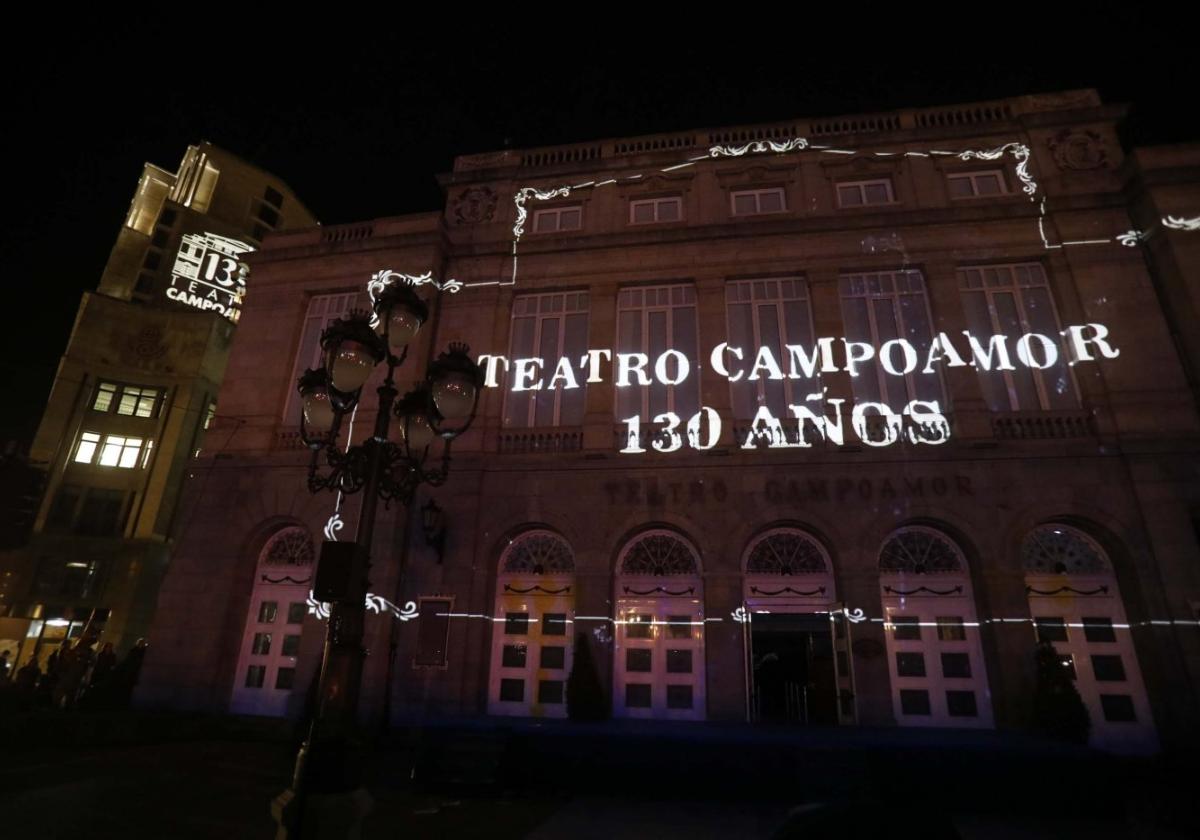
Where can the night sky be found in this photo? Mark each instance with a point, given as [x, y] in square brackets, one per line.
[358, 125]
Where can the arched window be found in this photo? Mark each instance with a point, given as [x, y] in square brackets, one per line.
[532, 640]
[1076, 605]
[658, 668]
[266, 669]
[786, 551]
[934, 653]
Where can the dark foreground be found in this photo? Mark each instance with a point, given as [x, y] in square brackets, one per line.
[133, 776]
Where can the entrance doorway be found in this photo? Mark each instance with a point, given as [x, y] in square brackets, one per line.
[793, 673]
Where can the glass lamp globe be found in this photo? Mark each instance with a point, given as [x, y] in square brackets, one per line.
[417, 432]
[318, 410]
[403, 325]
[350, 365]
[454, 395]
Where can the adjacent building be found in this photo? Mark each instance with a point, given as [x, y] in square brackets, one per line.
[134, 394]
[829, 421]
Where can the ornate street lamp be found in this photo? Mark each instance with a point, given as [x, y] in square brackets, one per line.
[430, 416]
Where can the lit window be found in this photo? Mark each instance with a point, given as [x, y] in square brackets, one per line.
[758, 202]
[655, 326]
[1011, 302]
[650, 210]
[106, 392]
[972, 184]
[210, 413]
[118, 451]
[323, 310]
[549, 327]
[556, 219]
[87, 448]
[865, 193]
[138, 402]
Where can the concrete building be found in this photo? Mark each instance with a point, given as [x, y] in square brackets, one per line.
[827, 422]
[134, 393]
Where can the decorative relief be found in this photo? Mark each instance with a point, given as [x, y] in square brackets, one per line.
[919, 552]
[289, 547]
[474, 206]
[1078, 150]
[1058, 550]
[659, 555]
[145, 348]
[539, 553]
[786, 553]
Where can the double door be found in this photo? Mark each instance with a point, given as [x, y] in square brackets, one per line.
[658, 666]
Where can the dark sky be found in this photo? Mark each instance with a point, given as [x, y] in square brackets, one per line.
[358, 124]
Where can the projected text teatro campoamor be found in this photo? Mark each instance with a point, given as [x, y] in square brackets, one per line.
[818, 416]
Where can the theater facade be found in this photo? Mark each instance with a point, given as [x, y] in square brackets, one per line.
[826, 422]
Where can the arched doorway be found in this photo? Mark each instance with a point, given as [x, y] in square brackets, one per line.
[797, 649]
[1076, 606]
[935, 658]
[658, 666]
[266, 668]
[531, 640]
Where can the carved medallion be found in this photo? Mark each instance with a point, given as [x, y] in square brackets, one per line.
[1078, 150]
[474, 205]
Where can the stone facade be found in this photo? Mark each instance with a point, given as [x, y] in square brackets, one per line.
[1101, 456]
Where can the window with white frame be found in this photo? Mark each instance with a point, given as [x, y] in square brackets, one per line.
[865, 193]
[973, 184]
[656, 326]
[647, 211]
[558, 219]
[770, 313]
[757, 202]
[1013, 301]
[126, 400]
[323, 310]
[886, 306]
[112, 450]
[547, 328]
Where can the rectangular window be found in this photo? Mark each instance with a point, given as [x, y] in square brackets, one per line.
[956, 666]
[554, 658]
[890, 306]
[1118, 708]
[1010, 302]
[261, 645]
[433, 632]
[679, 627]
[547, 328]
[974, 184]
[1051, 629]
[910, 664]
[296, 612]
[951, 629]
[638, 660]
[111, 450]
[267, 611]
[906, 628]
[771, 314]
[106, 392]
[100, 513]
[62, 512]
[1068, 662]
[255, 675]
[679, 697]
[558, 219]
[291, 646]
[512, 691]
[961, 704]
[637, 696]
[914, 701]
[650, 210]
[651, 321]
[513, 656]
[516, 623]
[865, 193]
[758, 202]
[284, 678]
[554, 624]
[1108, 668]
[138, 402]
[639, 627]
[323, 310]
[1098, 629]
[550, 692]
[679, 662]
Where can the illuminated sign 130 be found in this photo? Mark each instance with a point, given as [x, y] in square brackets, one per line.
[208, 275]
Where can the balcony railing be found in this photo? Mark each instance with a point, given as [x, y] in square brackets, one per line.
[540, 441]
[1043, 425]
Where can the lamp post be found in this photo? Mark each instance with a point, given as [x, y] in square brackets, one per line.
[326, 796]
